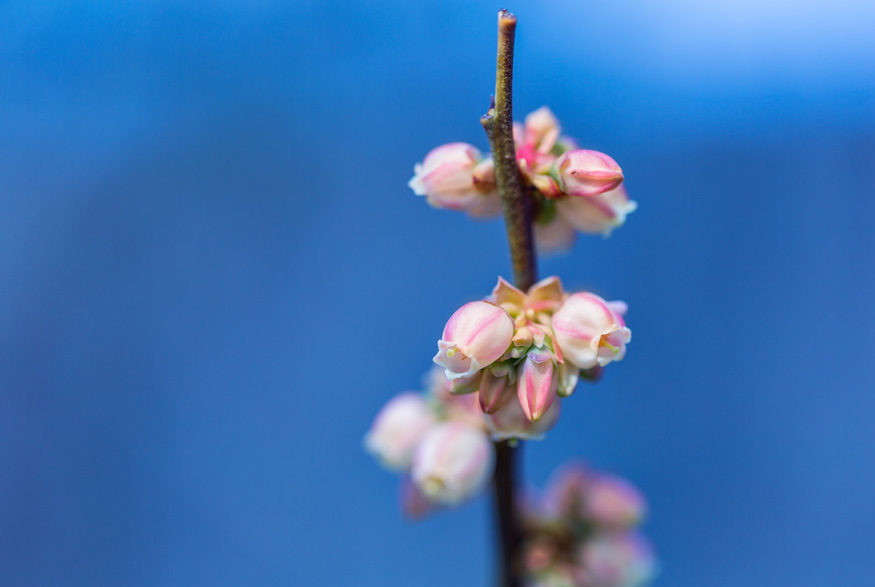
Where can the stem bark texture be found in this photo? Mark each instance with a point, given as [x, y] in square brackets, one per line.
[518, 208]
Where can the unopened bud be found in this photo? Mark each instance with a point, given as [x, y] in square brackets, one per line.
[536, 387]
[398, 429]
[589, 331]
[457, 177]
[586, 173]
[453, 463]
[476, 335]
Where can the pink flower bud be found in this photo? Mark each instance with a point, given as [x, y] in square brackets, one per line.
[589, 331]
[510, 421]
[586, 173]
[495, 390]
[456, 176]
[613, 503]
[537, 385]
[398, 429]
[534, 142]
[453, 463]
[621, 559]
[474, 337]
[541, 129]
[599, 214]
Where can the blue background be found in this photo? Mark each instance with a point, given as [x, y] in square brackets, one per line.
[213, 274]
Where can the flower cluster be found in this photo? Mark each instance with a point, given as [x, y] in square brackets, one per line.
[534, 345]
[583, 533]
[438, 441]
[579, 189]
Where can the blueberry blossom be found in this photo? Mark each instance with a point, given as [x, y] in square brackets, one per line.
[577, 190]
[476, 335]
[585, 173]
[591, 331]
[456, 176]
[453, 463]
[398, 428]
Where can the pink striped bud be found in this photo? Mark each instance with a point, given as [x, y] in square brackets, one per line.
[537, 385]
[457, 177]
[496, 388]
[453, 463]
[590, 331]
[398, 429]
[586, 173]
[613, 503]
[474, 337]
[618, 559]
[510, 421]
[599, 214]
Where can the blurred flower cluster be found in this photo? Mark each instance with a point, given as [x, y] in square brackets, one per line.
[441, 443]
[531, 346]
[575, 189]
[438, 441]
[583, 533]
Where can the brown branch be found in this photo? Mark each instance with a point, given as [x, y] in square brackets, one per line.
[517, 205]
[515, 199]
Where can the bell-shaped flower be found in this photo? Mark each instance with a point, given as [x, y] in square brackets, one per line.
[612, 502]
[510, 421]
[476, 335]
[398, 428]
[453, 463]
[599, 214]
[618, 559]
[590, 331]
[456, 176]
[536, 388]
[586, 173]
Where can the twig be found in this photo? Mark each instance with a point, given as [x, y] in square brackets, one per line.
[518, 210]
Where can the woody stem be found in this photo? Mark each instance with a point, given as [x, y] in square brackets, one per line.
[518, 210]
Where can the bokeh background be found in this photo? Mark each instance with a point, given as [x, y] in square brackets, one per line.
[213, 274]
